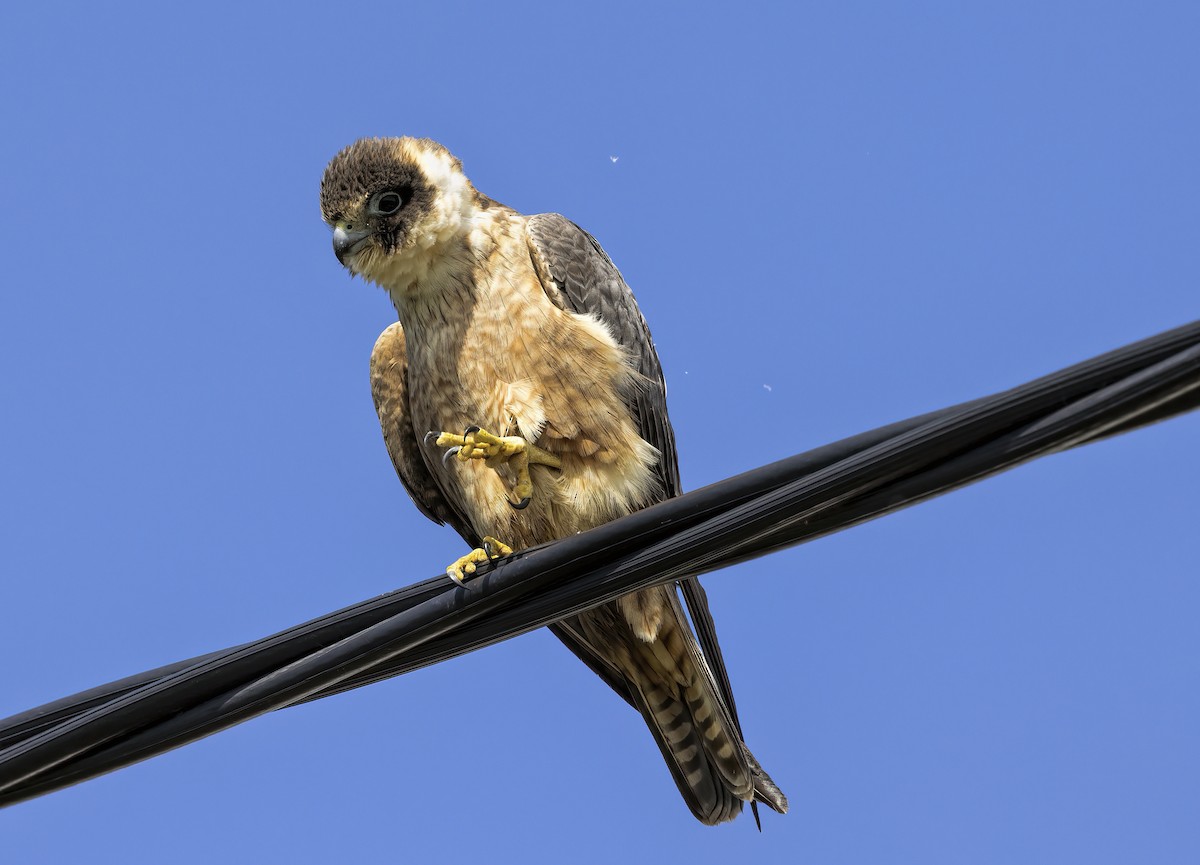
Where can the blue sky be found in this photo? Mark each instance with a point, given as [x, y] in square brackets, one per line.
[833, 215]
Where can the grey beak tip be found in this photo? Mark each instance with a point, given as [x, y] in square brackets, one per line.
[344, 242]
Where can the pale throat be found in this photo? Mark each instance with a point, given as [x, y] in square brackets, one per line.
[435, 305]
[434, 286]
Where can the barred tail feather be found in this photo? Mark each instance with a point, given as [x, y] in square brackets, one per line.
[708, 767]
[668, 682]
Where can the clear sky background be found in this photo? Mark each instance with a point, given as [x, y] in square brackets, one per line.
[834, 216]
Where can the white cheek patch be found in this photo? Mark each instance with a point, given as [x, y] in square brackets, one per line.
[453, 200]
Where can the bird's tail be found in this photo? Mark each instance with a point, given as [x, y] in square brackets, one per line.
[713, 769]
[668, 681]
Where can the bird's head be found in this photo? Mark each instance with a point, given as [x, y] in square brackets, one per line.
[389, 199]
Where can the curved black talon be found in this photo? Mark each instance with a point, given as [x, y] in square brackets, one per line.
[449, 453]
[518, 506]
[470, 429]
[431, 435]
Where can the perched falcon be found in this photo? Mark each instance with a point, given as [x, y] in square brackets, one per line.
[521, 401]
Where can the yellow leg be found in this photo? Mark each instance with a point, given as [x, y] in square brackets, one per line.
[479, 444]
[464, 566]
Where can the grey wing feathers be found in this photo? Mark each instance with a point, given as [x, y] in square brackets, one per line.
[389, 390]
[578, 275]
[590, 283]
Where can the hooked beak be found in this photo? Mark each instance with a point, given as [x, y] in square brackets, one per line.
[346, 240]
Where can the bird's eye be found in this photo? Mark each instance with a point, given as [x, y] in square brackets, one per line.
[388, 203]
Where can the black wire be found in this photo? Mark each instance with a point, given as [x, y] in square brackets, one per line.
[789, 502]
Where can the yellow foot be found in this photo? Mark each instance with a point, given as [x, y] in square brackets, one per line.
[465, 566]
[495, 451]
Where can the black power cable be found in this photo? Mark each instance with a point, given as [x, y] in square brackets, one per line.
[782, 504]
